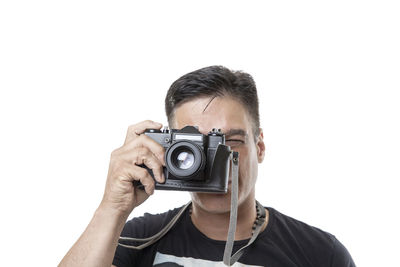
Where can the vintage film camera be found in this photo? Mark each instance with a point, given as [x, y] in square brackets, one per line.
[194, 162]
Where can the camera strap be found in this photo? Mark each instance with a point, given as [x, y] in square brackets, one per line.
[228, 258]
[152, 239]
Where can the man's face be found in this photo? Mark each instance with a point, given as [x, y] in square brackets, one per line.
[232, 118]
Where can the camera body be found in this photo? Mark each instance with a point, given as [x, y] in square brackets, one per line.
[194, 162]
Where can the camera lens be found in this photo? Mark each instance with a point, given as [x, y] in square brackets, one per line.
[185, 159]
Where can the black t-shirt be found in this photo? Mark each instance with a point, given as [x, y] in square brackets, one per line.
[284, 242]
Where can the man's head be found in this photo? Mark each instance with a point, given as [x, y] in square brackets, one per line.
[215, 97]
[214, 81]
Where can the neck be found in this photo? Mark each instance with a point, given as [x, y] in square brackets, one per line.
[215, 225]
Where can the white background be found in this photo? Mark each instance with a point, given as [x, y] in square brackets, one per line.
[75, 74]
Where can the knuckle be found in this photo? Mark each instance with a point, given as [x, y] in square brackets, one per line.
[120, 178]
[115, 153]
[160, 153]
[114, 158]
[148, 181]
[141, 155]
[132, 129]
[150, 186]
[143, 173]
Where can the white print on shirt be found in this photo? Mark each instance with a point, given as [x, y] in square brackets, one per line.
[164, 260]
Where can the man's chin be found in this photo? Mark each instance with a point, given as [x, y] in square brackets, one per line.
[211, 202]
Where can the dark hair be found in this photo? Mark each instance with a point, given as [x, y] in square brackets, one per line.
[215, 81]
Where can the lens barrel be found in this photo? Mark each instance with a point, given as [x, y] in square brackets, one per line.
[185, 159]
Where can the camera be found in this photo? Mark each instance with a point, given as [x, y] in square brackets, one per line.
[194, 161]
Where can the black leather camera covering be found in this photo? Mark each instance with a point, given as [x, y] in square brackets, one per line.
[214, 174]
[217, 175]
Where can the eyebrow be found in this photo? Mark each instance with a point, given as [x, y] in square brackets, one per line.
[232, 132]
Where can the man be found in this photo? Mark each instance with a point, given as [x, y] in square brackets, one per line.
[212, 97]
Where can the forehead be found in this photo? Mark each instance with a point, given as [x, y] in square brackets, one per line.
[223, 113]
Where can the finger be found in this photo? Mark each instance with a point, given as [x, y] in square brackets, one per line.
[147, 142]
[135, 173]
[143, 155]
[137, 129]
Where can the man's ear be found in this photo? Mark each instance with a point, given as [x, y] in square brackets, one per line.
[260, 146]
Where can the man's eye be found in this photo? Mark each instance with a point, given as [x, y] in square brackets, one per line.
[234, 142]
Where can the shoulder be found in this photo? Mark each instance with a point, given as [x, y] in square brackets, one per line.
[317, 245]
[296, 229]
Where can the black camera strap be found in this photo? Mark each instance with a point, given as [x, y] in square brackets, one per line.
[228, 258]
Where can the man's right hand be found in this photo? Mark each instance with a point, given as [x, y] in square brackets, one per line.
[120, 193]
[96, 246]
